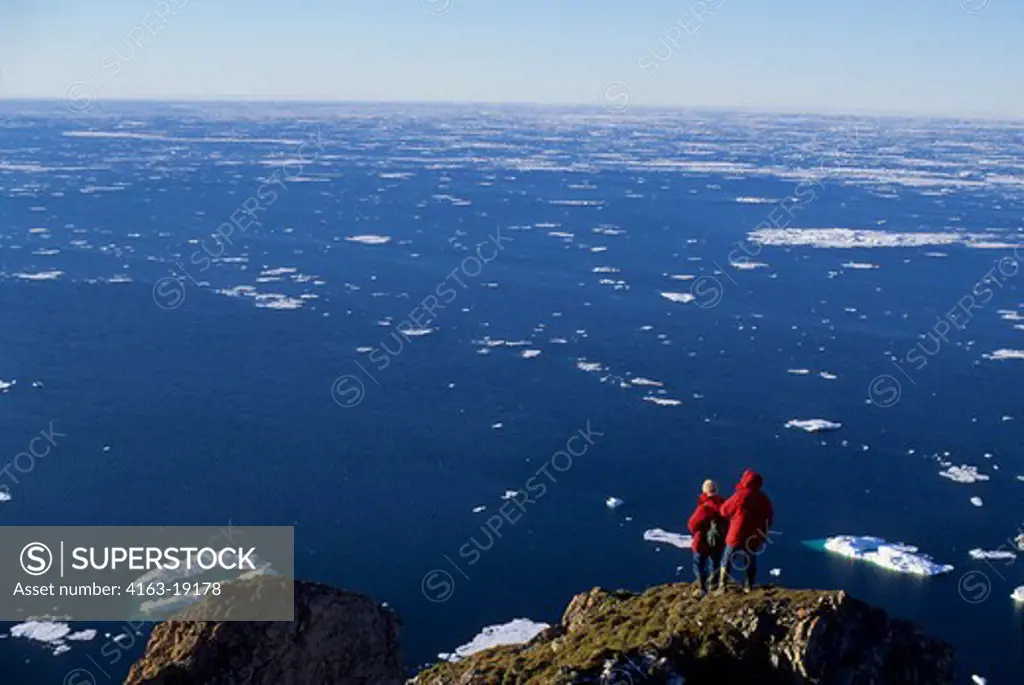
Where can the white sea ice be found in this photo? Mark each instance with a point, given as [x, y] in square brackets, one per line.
[848, 238]
[82, 635]
[529, 354]
[747, 265]
[775, 572]
[510, 494]
[995, 555]
[668, 537]
[977, 501]
[369, 239]
[41, 631]
[516, 632]
[678, 297]
[964, 474]
[814, 425]
[646, 382]
[40, 276]
[614, 502]
[1004, 354]
[482, 507]
[859, 265]
[588, 366]
[662, 401]
[1018, 594]
[893, 557]
[416, 332]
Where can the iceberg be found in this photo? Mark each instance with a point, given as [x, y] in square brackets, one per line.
[1018, 594]
[669, 538]
[893, 557]
[515, 632]
[814, 425]
[614, 502]
[964, 474]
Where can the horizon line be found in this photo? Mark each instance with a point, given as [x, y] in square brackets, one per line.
[758, 109]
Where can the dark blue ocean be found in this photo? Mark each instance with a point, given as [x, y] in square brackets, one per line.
[257, 377]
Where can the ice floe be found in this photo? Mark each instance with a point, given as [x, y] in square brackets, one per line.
[646, 382]
[53, 634]
[416, 332]
[893, 557]
[860, 265]
[669, 538]
[1000, 355]
[994, 555]
[614, 502]
[39, 276]
[1018, 594]
[964, 474]
[977, 501]
[755, 200]
[515, 632]
[814, 425]
[678, 297]
[848, 237]
[369, 239]
[744, 265]
[529, 354]
[589, 366]
[662, 401]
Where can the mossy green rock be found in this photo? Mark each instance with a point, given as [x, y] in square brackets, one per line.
[668, 636]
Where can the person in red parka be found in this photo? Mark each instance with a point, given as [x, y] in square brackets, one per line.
[750, 516]
[708, 529]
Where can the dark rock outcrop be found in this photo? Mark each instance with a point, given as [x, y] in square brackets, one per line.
[769, 637]
[336, 637]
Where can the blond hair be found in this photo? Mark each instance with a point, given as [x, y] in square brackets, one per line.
[709, 487]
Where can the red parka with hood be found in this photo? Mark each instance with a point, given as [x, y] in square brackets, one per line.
[749, 512]
[700, 521]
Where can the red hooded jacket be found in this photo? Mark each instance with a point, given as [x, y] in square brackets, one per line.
[700, 521]
[749, 512]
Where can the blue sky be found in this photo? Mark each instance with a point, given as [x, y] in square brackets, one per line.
[915, 56]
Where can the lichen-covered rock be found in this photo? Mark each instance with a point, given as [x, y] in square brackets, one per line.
[666, 635]
[337, 637]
